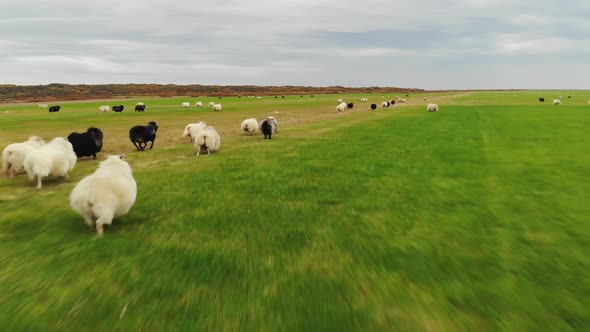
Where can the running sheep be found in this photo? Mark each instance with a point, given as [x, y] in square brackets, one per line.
[13, 156]
[186, 104]
[249, 126]
[104, 108]
[269, 126]
[55, 159]
[217, 107]
[432, 108]
[341, 107]
[199, 104]
[107, 193]
[207, 140]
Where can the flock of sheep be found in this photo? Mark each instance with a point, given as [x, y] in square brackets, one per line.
[342, 106]
[111, 190]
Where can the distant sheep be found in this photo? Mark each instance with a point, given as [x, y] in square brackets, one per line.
[56, 158]
[43, 106]
[341, 107]
[541, 99]
[54, 109]
[13, 156]
[363, 100]
[87, 144]
[392, 102]
[402, 100]
[104, 108]
[207, 140]
[107, 193]
[432, 108]
[211, 104]
[217, 108]
[350, 105]
[385, 104]
[269, 126]
[139, 108]
[556, 101]
[249, 126]
[339, 101]
[192, 129]
[373, 106]
[118, 109]
[141, 135]
[186, 104]
[199, 104]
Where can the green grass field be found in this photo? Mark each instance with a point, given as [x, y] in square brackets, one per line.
[475, 218]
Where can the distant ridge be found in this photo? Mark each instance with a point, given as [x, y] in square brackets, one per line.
[58, 91]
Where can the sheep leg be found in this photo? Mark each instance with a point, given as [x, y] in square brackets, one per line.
[137, 147]
[151, 146]
[38, 182]
[100, 222]
[89, 221]
[198, 151]
[208, 152]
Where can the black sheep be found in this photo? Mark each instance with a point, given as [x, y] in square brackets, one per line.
[266, 128]
[541, 99]
[276, 97]
[87, 144]
[141, 135]
[119, 108]
[53, 109]
[139, 108]
[373, 106]
[392, 102]
[350, 105]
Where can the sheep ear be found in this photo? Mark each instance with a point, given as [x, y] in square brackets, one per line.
[122, 157]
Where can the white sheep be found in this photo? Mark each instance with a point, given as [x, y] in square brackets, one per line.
[211, 104]
[339, 101]
[13, 156]
[104, 108]
[107, 193]
[199, 104]
[217, 107]
[249, 126]
[341, 107]
[207, 140]
[384, 104]
[186, 104]
[432, 108]
[402, 100]
[55, 158]
[192, 129]
[364, 100]
[43, 105]
[556, 101]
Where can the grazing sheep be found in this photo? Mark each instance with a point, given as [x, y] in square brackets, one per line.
[373, 106]
[556, 101]
[207, 140]
[118, 109]
[432, 108]
[54, 109]
[87, 144]
[211, 104]
[385, 104]
[249, 126]
[55, 158]
[217, 107]
[186, 104]
[350, 105]
[541, 99]
[139, 108]
[43, 106]
[141, 135]
[269, 126]
[341, 107]
[339, 101]
[107, 193]
[104, 108]
[13, 156]
[199, 104]
[192, 129]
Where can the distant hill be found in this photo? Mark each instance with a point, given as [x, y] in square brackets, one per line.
[58, 91]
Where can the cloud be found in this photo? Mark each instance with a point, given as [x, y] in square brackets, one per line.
[423, 43]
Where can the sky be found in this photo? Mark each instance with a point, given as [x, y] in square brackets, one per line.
[429, 44]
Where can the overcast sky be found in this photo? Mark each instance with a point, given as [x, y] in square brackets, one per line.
[431, 44]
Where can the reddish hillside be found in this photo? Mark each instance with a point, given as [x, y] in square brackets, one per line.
[56, 91]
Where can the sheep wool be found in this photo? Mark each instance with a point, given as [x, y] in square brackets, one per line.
[13, 156]
[107, 193]
[56, 158]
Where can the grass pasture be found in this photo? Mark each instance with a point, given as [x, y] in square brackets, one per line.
[474, 218]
